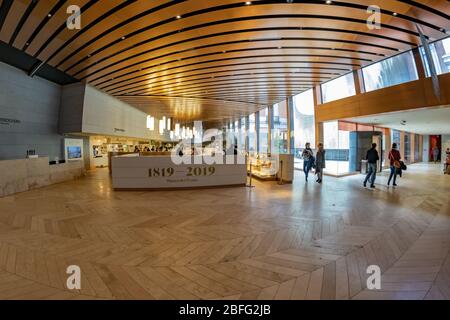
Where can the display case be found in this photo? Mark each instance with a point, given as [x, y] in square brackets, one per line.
[262, 166]
[271, 167]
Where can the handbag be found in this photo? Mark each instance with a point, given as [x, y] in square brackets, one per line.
[403, 166]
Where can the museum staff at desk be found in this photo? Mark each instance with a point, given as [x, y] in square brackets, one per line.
[135, 172]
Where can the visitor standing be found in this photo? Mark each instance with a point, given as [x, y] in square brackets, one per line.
[395, 165]
[372, 158]
[308, 159]
[435, 154]
[320, 162]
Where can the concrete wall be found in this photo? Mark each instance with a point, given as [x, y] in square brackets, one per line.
[29, 113]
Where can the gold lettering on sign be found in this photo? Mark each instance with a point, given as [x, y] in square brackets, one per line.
[161, 172]
[191, 172]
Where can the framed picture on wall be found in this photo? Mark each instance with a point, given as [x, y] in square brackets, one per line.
[73, 149]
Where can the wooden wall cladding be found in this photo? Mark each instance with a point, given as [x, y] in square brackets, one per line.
[410, 95]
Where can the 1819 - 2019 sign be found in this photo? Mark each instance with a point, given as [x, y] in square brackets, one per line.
[191, 172]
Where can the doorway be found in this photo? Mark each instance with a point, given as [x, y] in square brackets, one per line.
[435, 148]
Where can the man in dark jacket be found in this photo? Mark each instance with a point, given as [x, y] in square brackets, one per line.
[372, 158]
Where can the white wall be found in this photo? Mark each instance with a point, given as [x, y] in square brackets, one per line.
[102, 114]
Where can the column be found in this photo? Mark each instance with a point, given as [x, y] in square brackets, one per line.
[290, 124]
[247, 127]
[270, 126]
[317, 93]
[359, 81]
[257, 125]
[419, 63]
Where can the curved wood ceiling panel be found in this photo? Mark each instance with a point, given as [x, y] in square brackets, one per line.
[217, 58]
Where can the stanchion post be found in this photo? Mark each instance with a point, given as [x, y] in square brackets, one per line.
[281, 172]
[251, 176]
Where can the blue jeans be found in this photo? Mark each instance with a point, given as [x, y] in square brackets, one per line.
[307, 165]
[371, 173]
[393, 174]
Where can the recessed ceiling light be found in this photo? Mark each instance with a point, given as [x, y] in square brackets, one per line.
[247, 3]
[123, 38]
[49, 15]
[178, 17]
[328, 2]
[394, 13]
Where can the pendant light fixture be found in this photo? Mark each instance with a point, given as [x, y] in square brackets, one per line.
[150, 123]
[161, 126]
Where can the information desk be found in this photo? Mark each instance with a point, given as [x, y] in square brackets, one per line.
[133, 172]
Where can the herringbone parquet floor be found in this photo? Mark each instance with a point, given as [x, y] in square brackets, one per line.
[300, 241]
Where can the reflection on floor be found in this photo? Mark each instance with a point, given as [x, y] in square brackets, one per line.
[335, 168]
[300, 241]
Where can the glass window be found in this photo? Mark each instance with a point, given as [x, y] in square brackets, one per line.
[235, 128]
[390, 72]
[279, 141]
[242, 134]
[264, 130]
[416, 148]
[339, 88]
[440, 51]
[407, 151]
[337, 145]
[304, 127]
[252, 133]
[395, 138]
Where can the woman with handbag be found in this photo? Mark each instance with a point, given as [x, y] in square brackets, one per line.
[308, 159]
[394, 158]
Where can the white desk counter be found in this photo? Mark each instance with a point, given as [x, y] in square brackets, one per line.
[160, 173]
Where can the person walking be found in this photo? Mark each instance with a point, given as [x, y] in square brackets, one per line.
[435, 154]
[320, 162]
[308, 159]
[394, 159]
[372, 158]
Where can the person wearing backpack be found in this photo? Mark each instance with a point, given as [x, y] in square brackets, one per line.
[394, 159]
[372, 158]
[308, 159]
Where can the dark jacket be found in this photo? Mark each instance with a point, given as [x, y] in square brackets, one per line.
[372, 156]
[320, 159]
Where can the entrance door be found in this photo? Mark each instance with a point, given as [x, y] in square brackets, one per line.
[378, 140]
[435, 148]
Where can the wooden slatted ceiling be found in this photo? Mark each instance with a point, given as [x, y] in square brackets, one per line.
[220, 58]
